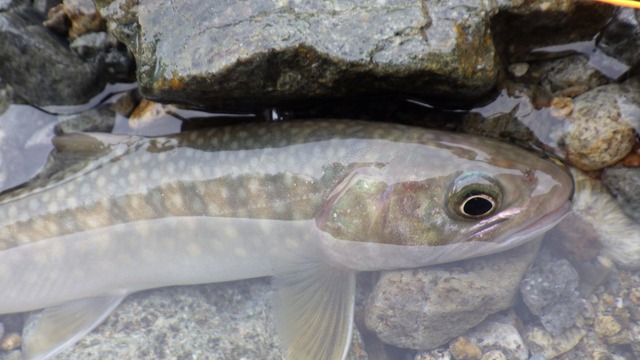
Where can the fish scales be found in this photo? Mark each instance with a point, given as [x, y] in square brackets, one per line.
[307, 202]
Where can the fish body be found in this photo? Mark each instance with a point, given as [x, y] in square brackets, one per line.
[309, 203]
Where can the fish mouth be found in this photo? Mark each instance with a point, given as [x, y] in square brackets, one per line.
[538, 227]
[529, 231]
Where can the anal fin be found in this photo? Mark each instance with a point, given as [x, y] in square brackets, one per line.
[314, 311]
[59, 327]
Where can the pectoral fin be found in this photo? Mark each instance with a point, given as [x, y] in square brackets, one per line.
[59, 327]
[314, 311]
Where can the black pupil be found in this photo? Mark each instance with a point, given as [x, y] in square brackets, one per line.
[477, 206]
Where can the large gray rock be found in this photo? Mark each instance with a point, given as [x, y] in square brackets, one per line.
[423, 309]
[39, 66]
[243, 54]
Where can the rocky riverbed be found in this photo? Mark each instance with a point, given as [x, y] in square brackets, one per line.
[560, 77]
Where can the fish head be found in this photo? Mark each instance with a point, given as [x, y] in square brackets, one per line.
[448, 198]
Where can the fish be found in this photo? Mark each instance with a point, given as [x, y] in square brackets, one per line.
[308, 203]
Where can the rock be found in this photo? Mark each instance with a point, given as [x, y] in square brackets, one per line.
[43, 6]
[425, 308]
[8, 4]
[218, 321]
[549, 289]
[620, 39]
[10, 341]
[99, 119]
[618, 234]
[494, 355]
[89, 46]
[539, 341]
[6, 96]
[498, 334]
[462, 348]
[606, 326]
[434, 355]
[570, 73]
[40, 68]
[624, 183]
[599, 131]
[275, 52]
[83, 16]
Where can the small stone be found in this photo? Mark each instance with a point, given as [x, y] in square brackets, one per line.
[494, 355]
[100, 119]
[519, 69]
[498, 333]
[10, 341]
[540, 341]
[462, 348]
[83, 16]
[561, 107]
[606, 326]
[570, 72]
[57, 21]
[624, 183]
[438, 354]
[599, 131]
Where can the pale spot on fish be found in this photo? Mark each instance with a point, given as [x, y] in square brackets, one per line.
[85, 189]
[114, 170]
[218, 246]
[57, 250]
[72, 202]
[61, 193]
[12, 211]
[81, 247]
[292, 242]
[169, 244]
[194, 250]
[148, 255]
[4, 271]
[143, 231]
[125, 257]
[52, 227]
[240, 252]
[78, 274]
[52, 207]
[33, 204]
[176, 200]
[101, 181]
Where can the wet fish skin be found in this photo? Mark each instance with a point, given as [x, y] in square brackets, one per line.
[308, 203]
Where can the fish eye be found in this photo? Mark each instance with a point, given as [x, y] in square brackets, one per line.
[474, 196]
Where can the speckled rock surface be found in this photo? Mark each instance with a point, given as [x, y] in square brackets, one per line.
[550, 291]
[624, 183]
[39, 66]
[499, 333]
[220, 321]
[423, 309]
[269, 52]
[600, 131]
[541, 342]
